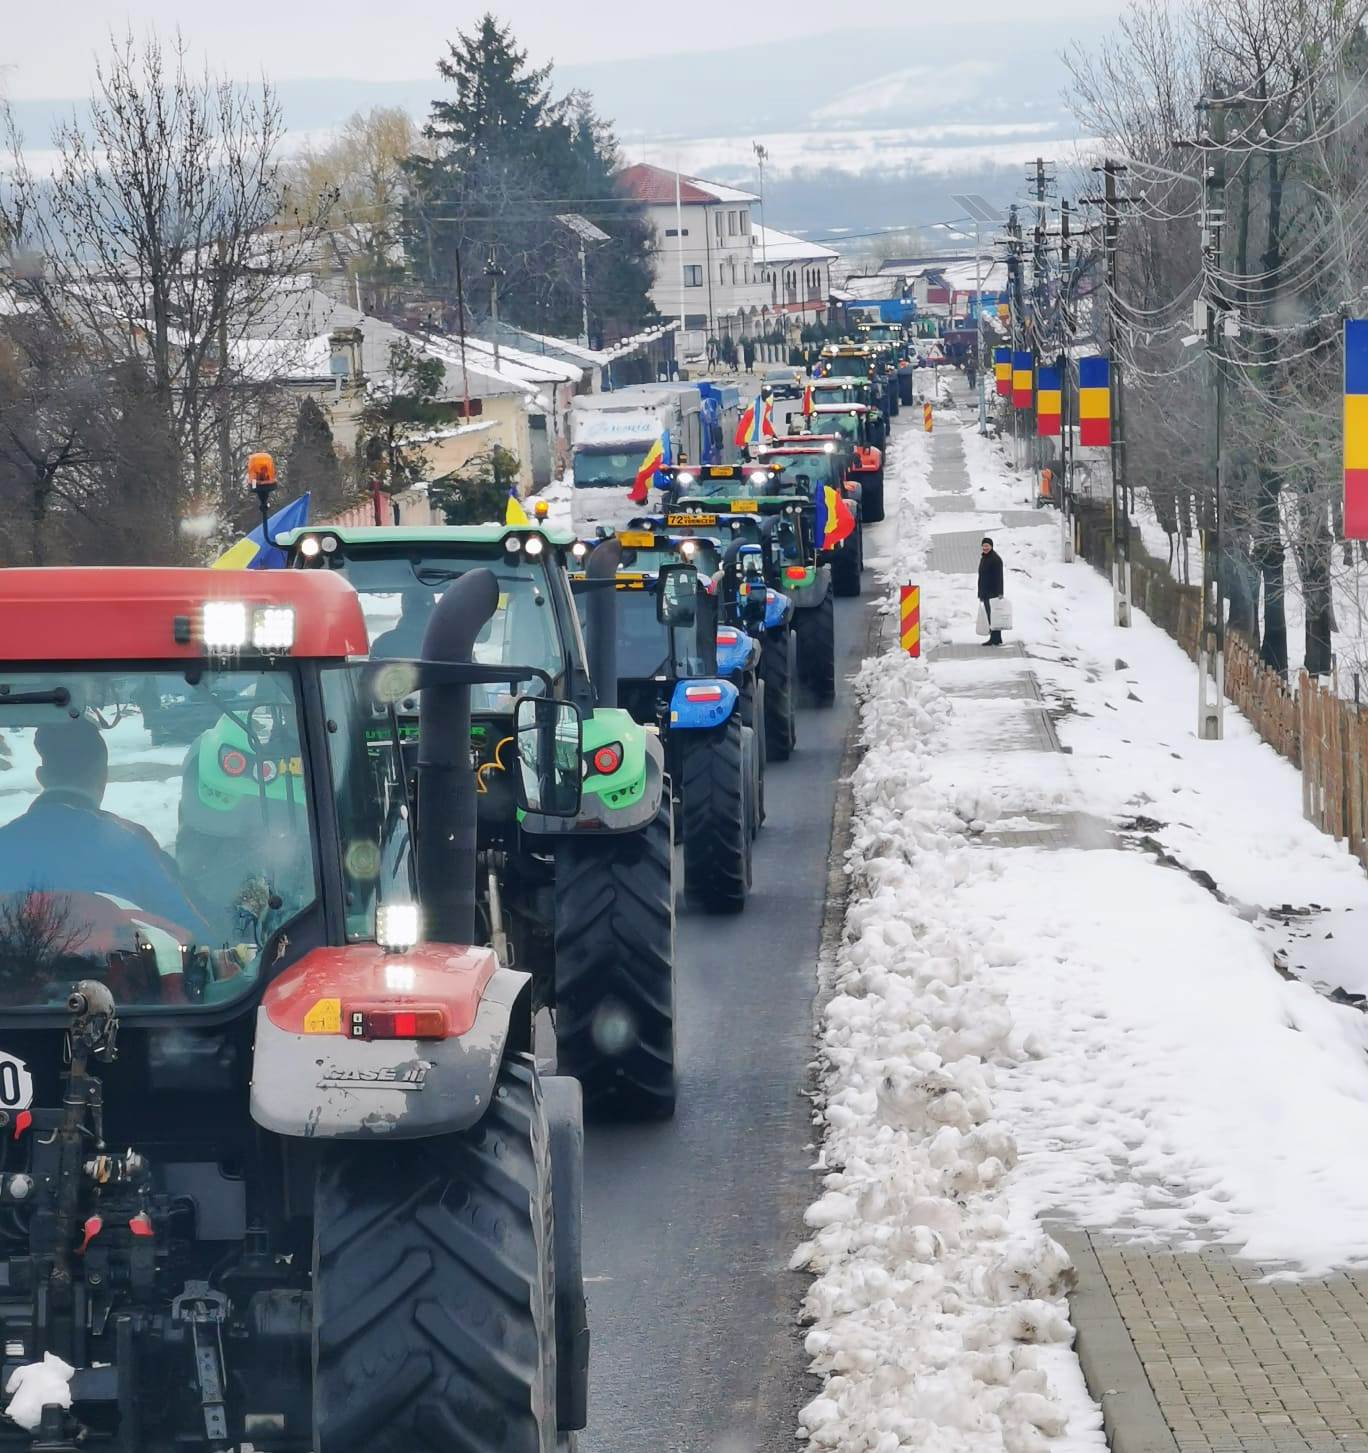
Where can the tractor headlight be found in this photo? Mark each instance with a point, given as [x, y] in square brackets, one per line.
[512, 544]
[758, 477]
[309, 547]
[329, 543]
[685, 478]
[532, 545]
[396, 926]
[579, 549]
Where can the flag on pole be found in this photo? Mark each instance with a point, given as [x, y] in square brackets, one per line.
[1023, 370]
[1002, 371]
[657, 455]
[834, 518]
[1356, 429]
[514, 514]
[756, 423]
[1049, 402]
[807, 398]
[1094, 403]
[253, 553]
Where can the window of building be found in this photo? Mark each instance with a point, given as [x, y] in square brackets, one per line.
[693, 275]
[695, 320]
[717, 217]
[745, 221]
[732, 228]
[676, 232]
[722, 274]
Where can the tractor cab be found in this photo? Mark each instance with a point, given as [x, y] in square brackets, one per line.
[852, 424]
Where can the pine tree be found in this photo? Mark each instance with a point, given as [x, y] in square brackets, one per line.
[312, 463]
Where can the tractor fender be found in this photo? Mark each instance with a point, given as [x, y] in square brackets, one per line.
[599, 814]
[778, 609]
[733, 652]
[690, 710]
[314, 1077]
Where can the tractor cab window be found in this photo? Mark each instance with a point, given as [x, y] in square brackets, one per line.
[399, 593]
[847, 366]
[154, 832]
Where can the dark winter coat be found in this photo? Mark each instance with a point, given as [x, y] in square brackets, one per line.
[990, 576]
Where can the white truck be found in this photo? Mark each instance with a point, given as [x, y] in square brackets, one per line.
[610, 436]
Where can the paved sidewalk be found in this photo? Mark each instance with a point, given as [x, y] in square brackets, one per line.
[1186, 1351]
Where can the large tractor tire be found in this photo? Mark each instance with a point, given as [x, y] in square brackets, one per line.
[845, 567]
[615, 968]
[434, 1287]
[752, 707]
[779, 668]
[716, 795]
[872, 500]
[817, 650]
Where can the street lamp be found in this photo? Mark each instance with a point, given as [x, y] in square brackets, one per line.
[979, 210]
[494, 272]
[585, 230]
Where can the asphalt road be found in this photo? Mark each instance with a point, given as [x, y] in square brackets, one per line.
[689, 1225]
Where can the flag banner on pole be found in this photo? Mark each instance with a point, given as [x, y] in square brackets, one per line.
[656, 455]
[253, 553]
[1002, 371]
[756, 422]
[834, 520]
[1094, 403]
[514, 514]
[1356, 429]
[1023, 370]
[1049, 405]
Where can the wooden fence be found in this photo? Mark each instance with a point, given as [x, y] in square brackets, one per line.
[1315, 729]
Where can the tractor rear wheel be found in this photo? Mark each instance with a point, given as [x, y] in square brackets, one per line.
[817, 650]
[434, 1287]
[778, 667]
[716, 821]
[615, 968]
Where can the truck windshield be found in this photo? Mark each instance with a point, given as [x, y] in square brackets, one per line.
[154, 831]
[608, 468]
[398, 593]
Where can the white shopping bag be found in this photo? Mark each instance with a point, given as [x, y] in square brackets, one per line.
[1002, 614]
[982, 626]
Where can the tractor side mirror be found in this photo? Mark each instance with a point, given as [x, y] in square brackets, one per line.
[677, 596]
[549, 737]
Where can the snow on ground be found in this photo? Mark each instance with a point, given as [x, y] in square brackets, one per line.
[1094, 1033]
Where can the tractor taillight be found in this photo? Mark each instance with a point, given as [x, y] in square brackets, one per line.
[794, 572]
[727, 636]
[703, 693]
[397, 1023]
[232, 763]
[607, 759]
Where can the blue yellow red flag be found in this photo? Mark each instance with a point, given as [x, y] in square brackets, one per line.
[1356, 429]
[656, 455]
[834, 517]
[514, 514]
[1094, 403]
[253, 553]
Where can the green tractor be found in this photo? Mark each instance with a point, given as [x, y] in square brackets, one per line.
[793, 563]
[585, 903]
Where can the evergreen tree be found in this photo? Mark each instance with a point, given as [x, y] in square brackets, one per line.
[477, 492]
[312, 463]
[507, 157]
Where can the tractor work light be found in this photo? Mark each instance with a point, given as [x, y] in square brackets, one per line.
[309, 548]
[396, 926]
[330, 543]
[273, 628]
[579, 549]
[688, 549]
[223, 625]
[686, 479]
[512, 544]
[533, 545]
[758, 477]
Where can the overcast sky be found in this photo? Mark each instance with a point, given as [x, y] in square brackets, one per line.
[46, 50]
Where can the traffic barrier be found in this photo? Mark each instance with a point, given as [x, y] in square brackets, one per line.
[926, 417]
[909, 619]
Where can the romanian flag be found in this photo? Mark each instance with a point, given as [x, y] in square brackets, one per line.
[1023, 369]
[514, 514]
[656, 455]
[1356, 429]
[1094, 403]
[1049, 402]
[807, 399]
[253, 553]
[834, 517]
[756, 423]
[1002, 370]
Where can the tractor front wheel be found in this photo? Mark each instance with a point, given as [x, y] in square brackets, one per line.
[434, 1287]
[615, 968]
[817, 650]
[779, 667]
[872, 501]
[716, 794]
[845, 566]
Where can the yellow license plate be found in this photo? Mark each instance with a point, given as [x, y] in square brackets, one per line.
[676, 520]
[745, 507]
[720, 472]
[636, 539]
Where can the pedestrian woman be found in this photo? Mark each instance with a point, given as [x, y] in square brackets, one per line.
[990, 586]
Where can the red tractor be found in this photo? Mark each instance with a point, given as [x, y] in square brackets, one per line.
[278, 1170]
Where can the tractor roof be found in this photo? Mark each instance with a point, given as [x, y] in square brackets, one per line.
[148, 614]
[408, 535]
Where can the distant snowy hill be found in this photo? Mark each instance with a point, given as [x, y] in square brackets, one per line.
[865, 128]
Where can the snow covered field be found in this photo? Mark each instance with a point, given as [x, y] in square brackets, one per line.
[1094, 1032]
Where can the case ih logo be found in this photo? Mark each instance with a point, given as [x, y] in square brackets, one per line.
[400, 1077]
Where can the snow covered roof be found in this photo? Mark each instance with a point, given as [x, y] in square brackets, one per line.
[771, 245]
[656, 186]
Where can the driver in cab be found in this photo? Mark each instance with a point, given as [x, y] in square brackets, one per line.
[67, 843]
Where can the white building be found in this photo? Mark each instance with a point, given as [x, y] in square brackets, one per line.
[798, 275]
[706, 266]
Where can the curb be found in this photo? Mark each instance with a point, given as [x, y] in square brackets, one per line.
[1131, 1417]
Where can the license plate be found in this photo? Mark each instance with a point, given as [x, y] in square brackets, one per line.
[675, 521]
[745, 507]
[721, 472]
[636, 539]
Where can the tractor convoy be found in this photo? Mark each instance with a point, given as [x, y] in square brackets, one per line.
[295, 1057]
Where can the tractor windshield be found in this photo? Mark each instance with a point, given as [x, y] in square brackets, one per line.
[398, 593]
[847, 366]
[802, 471]
[154, 831]
[845, 424]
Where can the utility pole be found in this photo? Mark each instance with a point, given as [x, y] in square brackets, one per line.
[1016, 320]
[1111, 238]
[979, 353]
[1066, 426]
[1040, 275]
[761, 157]
[1211, 643]
[460, 315]
[494, 272]
[225, 425]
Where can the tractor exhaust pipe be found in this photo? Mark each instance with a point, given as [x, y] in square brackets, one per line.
[600, 609]
[446, 784]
